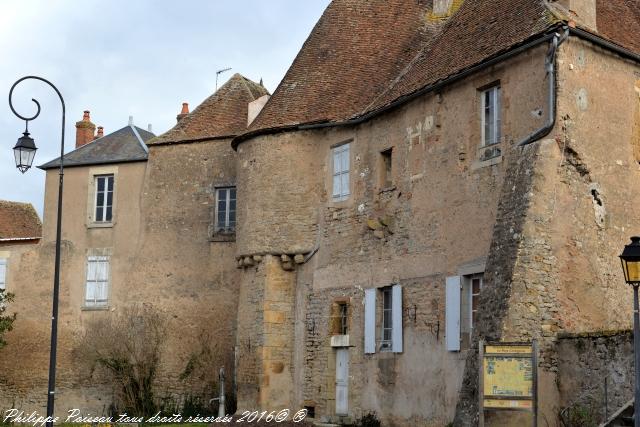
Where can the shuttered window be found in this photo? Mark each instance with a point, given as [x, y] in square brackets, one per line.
[390, 326]
[104, 198]
[97, 286]
[341, 172]
[3, 273]
[452, 314]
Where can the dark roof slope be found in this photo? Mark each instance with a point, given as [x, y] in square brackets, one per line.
[19, 221]
[223, 114]
[355, 51]
[121, 146]
[363, 55]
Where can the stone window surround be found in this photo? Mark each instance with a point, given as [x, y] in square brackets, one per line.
[91, 196]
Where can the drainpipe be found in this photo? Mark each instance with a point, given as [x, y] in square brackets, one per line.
[550, 66]
[220, 398]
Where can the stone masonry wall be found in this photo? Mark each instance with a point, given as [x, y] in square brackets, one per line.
[606, 356]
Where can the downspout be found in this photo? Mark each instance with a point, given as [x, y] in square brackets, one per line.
[550, 66]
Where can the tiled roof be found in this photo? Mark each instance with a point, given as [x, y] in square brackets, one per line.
[19, 221]
[363, 55]
[223, 114]
[120, 146]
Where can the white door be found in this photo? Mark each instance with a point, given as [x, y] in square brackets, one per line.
[342, 381]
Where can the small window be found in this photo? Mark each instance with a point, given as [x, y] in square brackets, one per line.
[386, 178]
[3, 273]
[225, 210]
[387, 320]
[97, 286]
[491, 120]
[341, 172]
[475, 285]
[344, 318]
[104, 198]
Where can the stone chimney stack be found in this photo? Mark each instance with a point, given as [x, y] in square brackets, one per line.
[583, 12]
[100, 133]
[84, 130]
[183, 112]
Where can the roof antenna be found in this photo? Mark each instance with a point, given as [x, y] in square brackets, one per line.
[220, 72]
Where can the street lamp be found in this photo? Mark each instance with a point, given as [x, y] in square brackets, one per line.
[24, 152]
[630, 259]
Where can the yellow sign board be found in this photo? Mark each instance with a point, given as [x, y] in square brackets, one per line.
[508, 404]
[508, 376]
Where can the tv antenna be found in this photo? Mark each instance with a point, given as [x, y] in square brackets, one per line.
[220, 72]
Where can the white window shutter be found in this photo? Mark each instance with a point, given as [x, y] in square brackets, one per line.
[3, 273]
[369, 321]
[396, 319]
[452, 315]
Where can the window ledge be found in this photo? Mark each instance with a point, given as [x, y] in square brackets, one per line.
[95, 308]
[101, 224]
[340, 341]
[485, 163]
[223, 237]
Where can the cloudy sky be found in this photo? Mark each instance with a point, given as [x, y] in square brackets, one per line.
[141, 58]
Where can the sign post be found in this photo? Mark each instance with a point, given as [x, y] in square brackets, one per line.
[508, 379]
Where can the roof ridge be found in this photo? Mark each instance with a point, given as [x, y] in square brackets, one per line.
[142, 144]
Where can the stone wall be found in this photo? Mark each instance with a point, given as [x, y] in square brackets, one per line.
[605, 356]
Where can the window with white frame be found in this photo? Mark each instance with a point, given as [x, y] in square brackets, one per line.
[3, 273]
[104, 198]
[225, 210]
[97, 285]
[462, 307]
[491, 116]
[340, 156]
[389, 337]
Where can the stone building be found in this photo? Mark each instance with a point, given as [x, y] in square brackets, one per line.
[427, 174]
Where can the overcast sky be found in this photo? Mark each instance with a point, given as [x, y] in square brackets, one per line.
[142, 58]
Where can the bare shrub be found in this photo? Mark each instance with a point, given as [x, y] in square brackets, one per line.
[127, 347]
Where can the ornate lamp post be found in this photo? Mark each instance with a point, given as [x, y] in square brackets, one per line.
[630, 259]
[24, 152]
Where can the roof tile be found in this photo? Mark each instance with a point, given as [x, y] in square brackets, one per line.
[19, 221]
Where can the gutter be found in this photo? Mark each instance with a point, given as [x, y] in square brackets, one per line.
[16, 239]
[550, 65]
[599, 41]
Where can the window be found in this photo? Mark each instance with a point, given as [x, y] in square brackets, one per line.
[491, 120]
[225, 210]
[390, 326]
[3, 273]
[97, 287]
[387, 321]
[386, 178]
[104, 198]
[341, 172]
[344, 319]
[462, 305]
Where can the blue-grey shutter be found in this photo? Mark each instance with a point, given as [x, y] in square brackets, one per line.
[452, 314]
[369, 321]
[396, 319]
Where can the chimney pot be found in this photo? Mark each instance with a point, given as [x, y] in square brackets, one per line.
[84, 130]
[150, 128]
[130, 120]
[100, 131]
[184, 112]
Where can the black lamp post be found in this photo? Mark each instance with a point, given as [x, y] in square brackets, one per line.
[630, 258]
[24, 152]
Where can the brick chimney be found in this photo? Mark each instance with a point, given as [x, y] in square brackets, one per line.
[84, 130]
[581, 11]
[184, 112]
[100, 133]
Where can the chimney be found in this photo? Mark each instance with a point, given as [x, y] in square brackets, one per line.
[583, 12]
[100, 133]
[149, 128]
[84, 130]
[255, 107]
[130, 120]
[184, 112]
